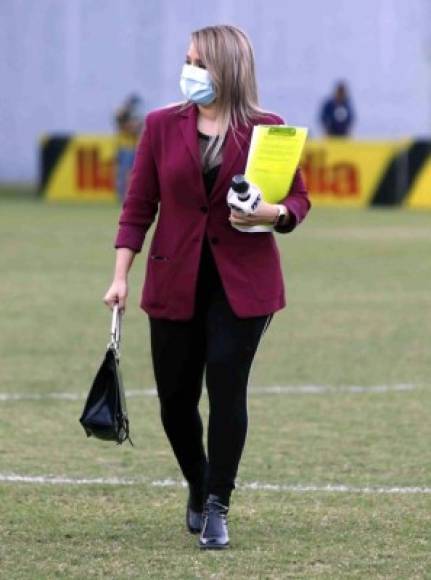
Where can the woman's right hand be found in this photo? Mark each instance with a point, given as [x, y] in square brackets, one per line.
[117, 294]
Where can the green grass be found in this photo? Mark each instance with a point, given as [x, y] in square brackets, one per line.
[359, 314]
[18, 192]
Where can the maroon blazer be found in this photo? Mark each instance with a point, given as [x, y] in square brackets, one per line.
[167, 176]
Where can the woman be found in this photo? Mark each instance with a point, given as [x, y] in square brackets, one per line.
[210, 290]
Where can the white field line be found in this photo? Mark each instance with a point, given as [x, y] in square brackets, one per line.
[253, 486]
[268, 390]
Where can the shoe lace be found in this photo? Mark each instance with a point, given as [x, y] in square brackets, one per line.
[215, 506]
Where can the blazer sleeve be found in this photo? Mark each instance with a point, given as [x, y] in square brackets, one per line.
[142, 198]
[297, 203]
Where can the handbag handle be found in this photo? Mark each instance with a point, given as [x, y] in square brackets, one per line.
[116, 330]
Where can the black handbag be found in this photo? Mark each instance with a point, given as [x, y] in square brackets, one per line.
[105, 413]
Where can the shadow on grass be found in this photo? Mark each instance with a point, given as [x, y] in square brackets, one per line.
[18, 192]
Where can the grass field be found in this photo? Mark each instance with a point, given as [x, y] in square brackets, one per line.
[359, 315]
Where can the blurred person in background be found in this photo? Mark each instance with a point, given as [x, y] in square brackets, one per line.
[336, 114]
[129, 119]
[210, 290]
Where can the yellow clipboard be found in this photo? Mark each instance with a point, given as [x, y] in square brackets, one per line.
[275, 151]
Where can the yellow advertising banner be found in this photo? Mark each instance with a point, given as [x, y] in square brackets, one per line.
[345, 172]
[337, 171]
[84, 171]
[420, 193]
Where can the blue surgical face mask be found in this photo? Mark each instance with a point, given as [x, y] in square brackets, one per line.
[196, 85]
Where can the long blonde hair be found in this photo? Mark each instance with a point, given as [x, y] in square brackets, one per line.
[228, 56]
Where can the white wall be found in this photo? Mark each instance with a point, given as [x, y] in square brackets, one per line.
[65, 65]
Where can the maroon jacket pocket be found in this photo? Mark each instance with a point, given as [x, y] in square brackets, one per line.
[157, 276]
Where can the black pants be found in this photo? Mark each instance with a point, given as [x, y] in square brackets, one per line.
[223, 345]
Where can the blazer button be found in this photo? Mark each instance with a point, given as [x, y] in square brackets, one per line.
[204, 209]
[214, 241]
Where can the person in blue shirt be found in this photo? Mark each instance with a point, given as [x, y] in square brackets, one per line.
[337, 113]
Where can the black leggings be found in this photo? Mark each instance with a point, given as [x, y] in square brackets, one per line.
[217, 341]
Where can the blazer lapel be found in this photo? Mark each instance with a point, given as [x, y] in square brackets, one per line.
[237, 144]
[189, 118]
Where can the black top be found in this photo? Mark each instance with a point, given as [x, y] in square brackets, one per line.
[209, 279]
[210, 169]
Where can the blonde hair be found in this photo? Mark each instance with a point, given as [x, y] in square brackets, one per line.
[228, 56]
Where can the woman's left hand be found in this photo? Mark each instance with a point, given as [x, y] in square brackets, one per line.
[265, 213]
